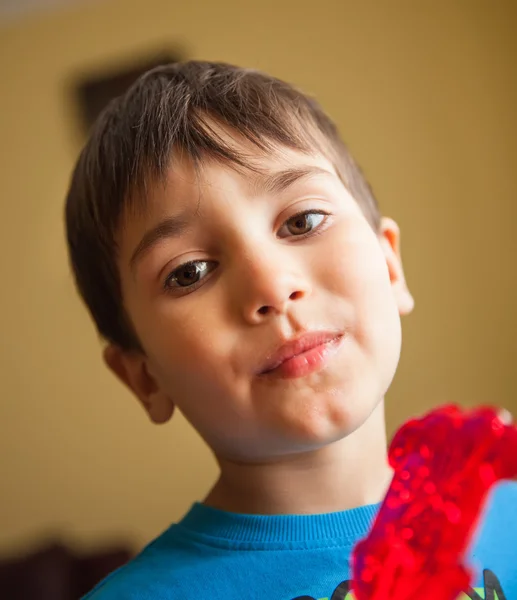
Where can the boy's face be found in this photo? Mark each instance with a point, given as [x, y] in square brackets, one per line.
[269, 259]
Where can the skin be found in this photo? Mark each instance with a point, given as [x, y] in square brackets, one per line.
[308, 445]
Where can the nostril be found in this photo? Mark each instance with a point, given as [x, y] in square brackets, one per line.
[263, 310]
[295, 295]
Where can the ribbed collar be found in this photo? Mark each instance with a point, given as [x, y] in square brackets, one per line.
[232, 527]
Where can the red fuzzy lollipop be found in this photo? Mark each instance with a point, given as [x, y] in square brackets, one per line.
[445, 464]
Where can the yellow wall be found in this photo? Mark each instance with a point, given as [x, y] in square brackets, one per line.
[425, 93]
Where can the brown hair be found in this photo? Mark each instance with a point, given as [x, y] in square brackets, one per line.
[170, 109]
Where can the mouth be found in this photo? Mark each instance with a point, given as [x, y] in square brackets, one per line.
[302, 356]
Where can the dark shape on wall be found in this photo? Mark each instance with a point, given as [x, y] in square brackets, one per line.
[96, 90]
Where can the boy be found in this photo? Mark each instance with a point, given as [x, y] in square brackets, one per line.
[234, 258]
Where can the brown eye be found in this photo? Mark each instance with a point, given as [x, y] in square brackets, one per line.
[303, 223]
[189, 274]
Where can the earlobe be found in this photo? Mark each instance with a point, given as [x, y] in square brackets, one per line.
[132, 370]
[389, 236]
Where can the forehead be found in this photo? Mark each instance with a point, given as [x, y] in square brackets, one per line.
[185, 183]
[187, 188]
[173, 205]
[185, 180]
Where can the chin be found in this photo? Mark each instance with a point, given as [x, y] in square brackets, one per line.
[333, 417]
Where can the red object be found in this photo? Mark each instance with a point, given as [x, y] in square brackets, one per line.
[444, 466]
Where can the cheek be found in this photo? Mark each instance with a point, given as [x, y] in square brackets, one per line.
[355, 269]
[180, 340]
[353, 264]
[184, 341]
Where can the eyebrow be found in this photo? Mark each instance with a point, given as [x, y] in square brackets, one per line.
[173, 227]
[278, 182]
[170, 227]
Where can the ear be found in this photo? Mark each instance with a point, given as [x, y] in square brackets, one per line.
[389, 237]
[133, 370]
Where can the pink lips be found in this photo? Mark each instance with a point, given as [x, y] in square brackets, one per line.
[302, 356]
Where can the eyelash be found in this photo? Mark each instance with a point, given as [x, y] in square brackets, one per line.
[184, 290]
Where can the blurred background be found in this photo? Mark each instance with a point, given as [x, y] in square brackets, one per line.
[425, 95]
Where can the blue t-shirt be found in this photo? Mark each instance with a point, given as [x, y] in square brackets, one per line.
[215, 555]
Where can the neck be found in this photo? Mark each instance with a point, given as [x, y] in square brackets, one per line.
[346, 474]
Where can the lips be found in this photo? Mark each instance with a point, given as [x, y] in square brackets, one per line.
[299, 347]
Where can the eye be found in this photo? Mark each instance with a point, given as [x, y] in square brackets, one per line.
[189, 275]
[303, 223]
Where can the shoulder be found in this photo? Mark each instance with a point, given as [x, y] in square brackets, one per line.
[154, 573]
[497, 529]
[133, 581]
[502, 504]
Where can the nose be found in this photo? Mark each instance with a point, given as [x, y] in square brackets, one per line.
[270, 283]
